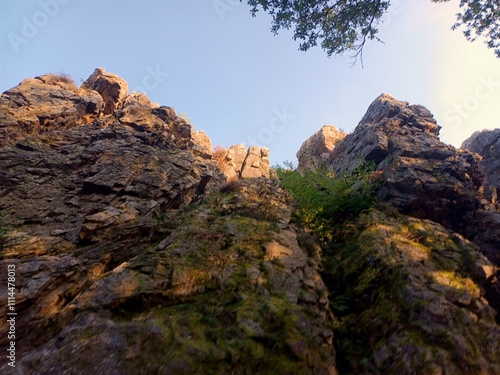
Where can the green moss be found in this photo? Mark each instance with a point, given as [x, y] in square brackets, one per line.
[365, 292]
[211, 326]
[371, 298]
[234, 325]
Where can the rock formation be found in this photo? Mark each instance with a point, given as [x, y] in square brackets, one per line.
[485, 230]
[238, 162]
[117, 224]
[424, 177]
[140, 249]
[201, 144]
[112, 89]
[315, 151]
[45, 103]
[434, 184]
[487, 144]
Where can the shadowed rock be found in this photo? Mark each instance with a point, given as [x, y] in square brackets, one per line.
[487, 144]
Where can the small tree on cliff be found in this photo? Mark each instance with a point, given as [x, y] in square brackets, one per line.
[345, 25]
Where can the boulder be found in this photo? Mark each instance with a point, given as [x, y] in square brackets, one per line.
[135, 98]
[112, 88]
[255, 164]
[202, 145]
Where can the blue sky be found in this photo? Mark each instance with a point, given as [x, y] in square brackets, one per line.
[241, 84]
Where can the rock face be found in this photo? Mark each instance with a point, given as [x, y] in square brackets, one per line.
[486, 228]
[43, 104]
[487, 144]
[112, 89]
[423, 177]
[133, 255]
[215, 281]
[315, 151]
[238, 162]
[140, 249]
[420, 305]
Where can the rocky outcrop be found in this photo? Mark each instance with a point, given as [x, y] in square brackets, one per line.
[136, 158]
[43, 104]
[133, 255]
[419, 303]
[112, 89]
[238, 162]
[140, 249]
[410, 292]
[482, 142]
[315, 151]
[487, 144]
[374, 137]
[201, 144]
[423, 177]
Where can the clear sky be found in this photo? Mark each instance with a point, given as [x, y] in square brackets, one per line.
[241, 84]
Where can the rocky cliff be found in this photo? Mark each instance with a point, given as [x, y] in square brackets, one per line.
[139, 249]
[487, 144]
[133, 255]
[433, 184]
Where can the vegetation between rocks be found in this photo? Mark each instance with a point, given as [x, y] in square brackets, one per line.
[396, 284]
[325, 200]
